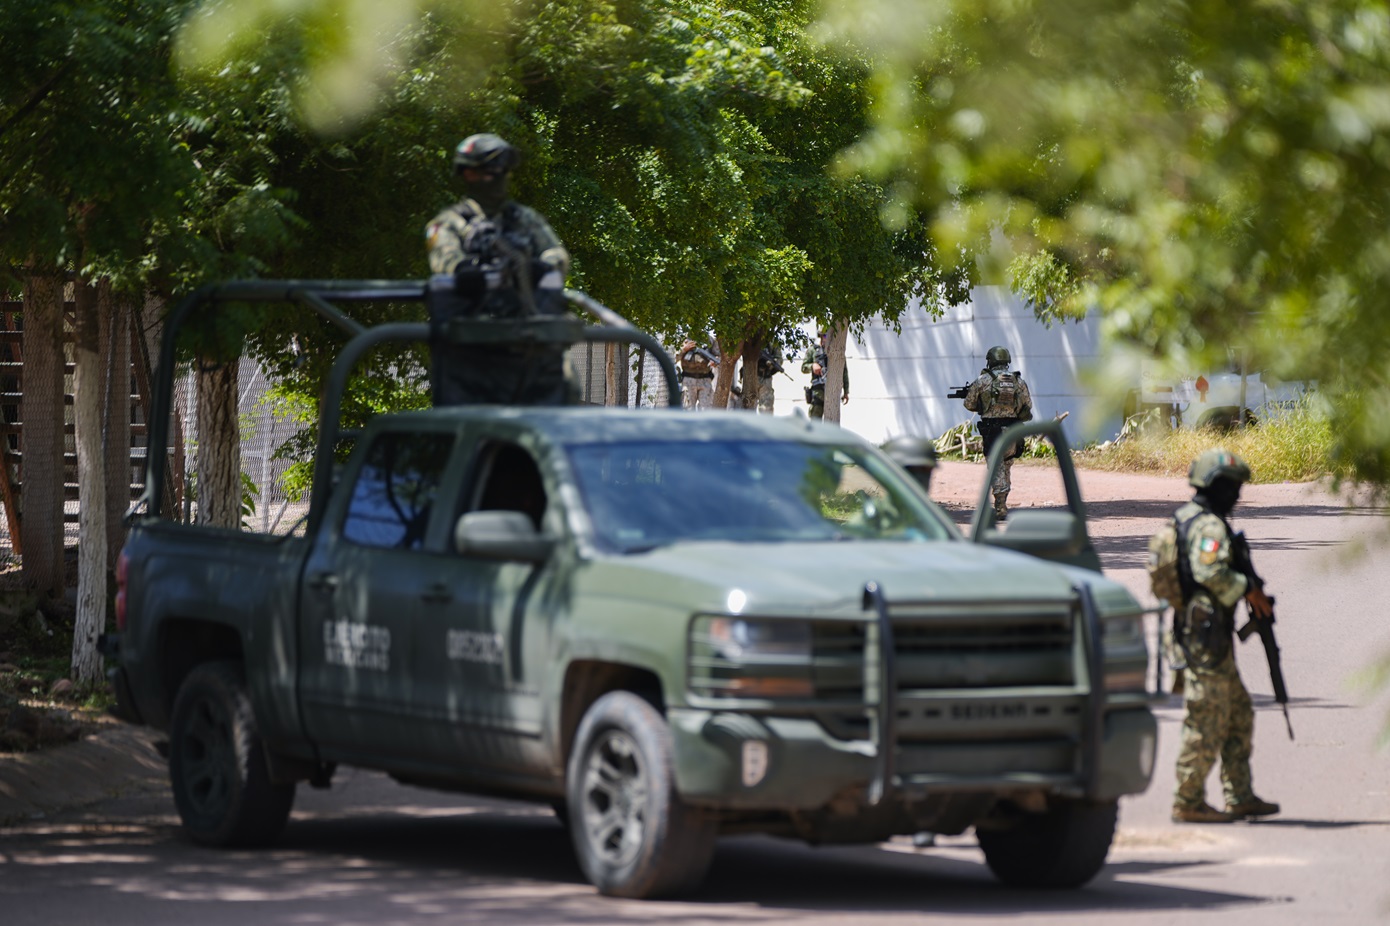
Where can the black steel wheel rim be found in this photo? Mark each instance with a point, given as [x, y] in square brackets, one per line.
[209, 765]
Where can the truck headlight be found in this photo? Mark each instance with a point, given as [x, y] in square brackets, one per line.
[1126, 653]
[1122, 632]
[749, 658]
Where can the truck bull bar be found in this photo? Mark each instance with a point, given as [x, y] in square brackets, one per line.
[880, 665]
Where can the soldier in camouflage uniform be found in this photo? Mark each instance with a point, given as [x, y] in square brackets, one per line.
[1001, 398]
[817, 362]
[1220, 721]
[697, 375]
[769, 365]
[917, 455]
[505, 262]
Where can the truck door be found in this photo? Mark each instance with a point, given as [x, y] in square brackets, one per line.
[1059, 535]
[482, 651]
[368, 575]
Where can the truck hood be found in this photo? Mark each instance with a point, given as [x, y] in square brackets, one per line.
[827, 578]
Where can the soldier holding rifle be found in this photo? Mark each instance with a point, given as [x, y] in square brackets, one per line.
[1001, 398]
[1215, 575]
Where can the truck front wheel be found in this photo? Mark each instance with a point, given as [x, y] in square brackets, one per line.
[1064, 847]
[633, 835]
[217, 764]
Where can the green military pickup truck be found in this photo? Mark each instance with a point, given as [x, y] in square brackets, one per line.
[666, 625]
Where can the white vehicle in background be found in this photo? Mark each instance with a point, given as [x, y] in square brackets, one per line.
[1211, 399]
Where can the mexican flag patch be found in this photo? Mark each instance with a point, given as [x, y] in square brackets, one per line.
[1209, 545]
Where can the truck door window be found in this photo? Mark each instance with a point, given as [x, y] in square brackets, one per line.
[395, 490]
[509, 480]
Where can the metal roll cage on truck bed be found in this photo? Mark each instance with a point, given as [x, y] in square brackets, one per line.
[320, 296]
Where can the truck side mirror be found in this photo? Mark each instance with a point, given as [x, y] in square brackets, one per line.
[501, 535]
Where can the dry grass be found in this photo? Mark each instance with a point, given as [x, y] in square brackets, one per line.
[1292, 445]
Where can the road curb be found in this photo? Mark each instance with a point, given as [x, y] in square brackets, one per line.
[109, 763]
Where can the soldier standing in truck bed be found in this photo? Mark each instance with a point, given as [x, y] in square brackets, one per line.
[506, 262]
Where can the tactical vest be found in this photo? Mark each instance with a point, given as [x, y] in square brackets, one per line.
[694, 363]
[1003, 393]
[1169, 573]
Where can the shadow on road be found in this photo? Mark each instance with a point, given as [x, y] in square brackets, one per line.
[428, 864]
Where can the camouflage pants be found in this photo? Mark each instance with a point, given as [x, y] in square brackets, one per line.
[765, 396]
[697, 393]
[1001, 483]
[1220, 723]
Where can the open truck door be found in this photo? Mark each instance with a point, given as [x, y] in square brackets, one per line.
[1058, 535]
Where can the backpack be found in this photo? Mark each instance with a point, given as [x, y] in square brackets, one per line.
[1169, 577]
[1003, 393]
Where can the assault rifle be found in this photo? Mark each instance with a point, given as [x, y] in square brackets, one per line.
[1240, 559]
[768, 365]
[960, 391]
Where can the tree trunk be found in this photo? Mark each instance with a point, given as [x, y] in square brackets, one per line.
[115, 314]
[835, 372]
[617, 358]
[724, 373]
[89, 394]
[752, 347]
[219, 445]
[42, 440]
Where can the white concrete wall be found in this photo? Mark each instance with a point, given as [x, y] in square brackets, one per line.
[899, 381]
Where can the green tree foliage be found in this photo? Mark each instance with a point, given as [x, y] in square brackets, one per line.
[1212, 176]
[680, 149]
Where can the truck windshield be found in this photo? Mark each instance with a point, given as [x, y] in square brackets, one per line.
[645, 494]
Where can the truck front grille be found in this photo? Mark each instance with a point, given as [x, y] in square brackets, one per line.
[944, 653]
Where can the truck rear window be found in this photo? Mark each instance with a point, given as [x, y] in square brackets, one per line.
[645, 494]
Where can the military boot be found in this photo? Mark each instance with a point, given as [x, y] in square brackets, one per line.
[1252, 807]
[1200, 813]
[1001, 507]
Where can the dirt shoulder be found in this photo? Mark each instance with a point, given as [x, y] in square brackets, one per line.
[116, 760]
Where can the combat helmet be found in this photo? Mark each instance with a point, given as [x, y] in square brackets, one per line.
[1215, 464]
[908, 452]
[487, 152]
[997, 357]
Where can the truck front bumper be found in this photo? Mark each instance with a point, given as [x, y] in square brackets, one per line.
[743, 761]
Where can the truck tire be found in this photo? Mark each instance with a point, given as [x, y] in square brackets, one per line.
[1065, 847]
[631, 832]
[217, 764]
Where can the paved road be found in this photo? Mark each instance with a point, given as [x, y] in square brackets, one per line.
[370, 852]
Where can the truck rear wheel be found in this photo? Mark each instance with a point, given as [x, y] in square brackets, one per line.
[217, 764]
[1065, 847]
[631, 832]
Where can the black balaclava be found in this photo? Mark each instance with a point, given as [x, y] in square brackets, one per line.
[490, 192]
[1221, 496]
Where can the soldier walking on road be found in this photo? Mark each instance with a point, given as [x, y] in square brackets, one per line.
[1001, 398]
[1219, 721]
